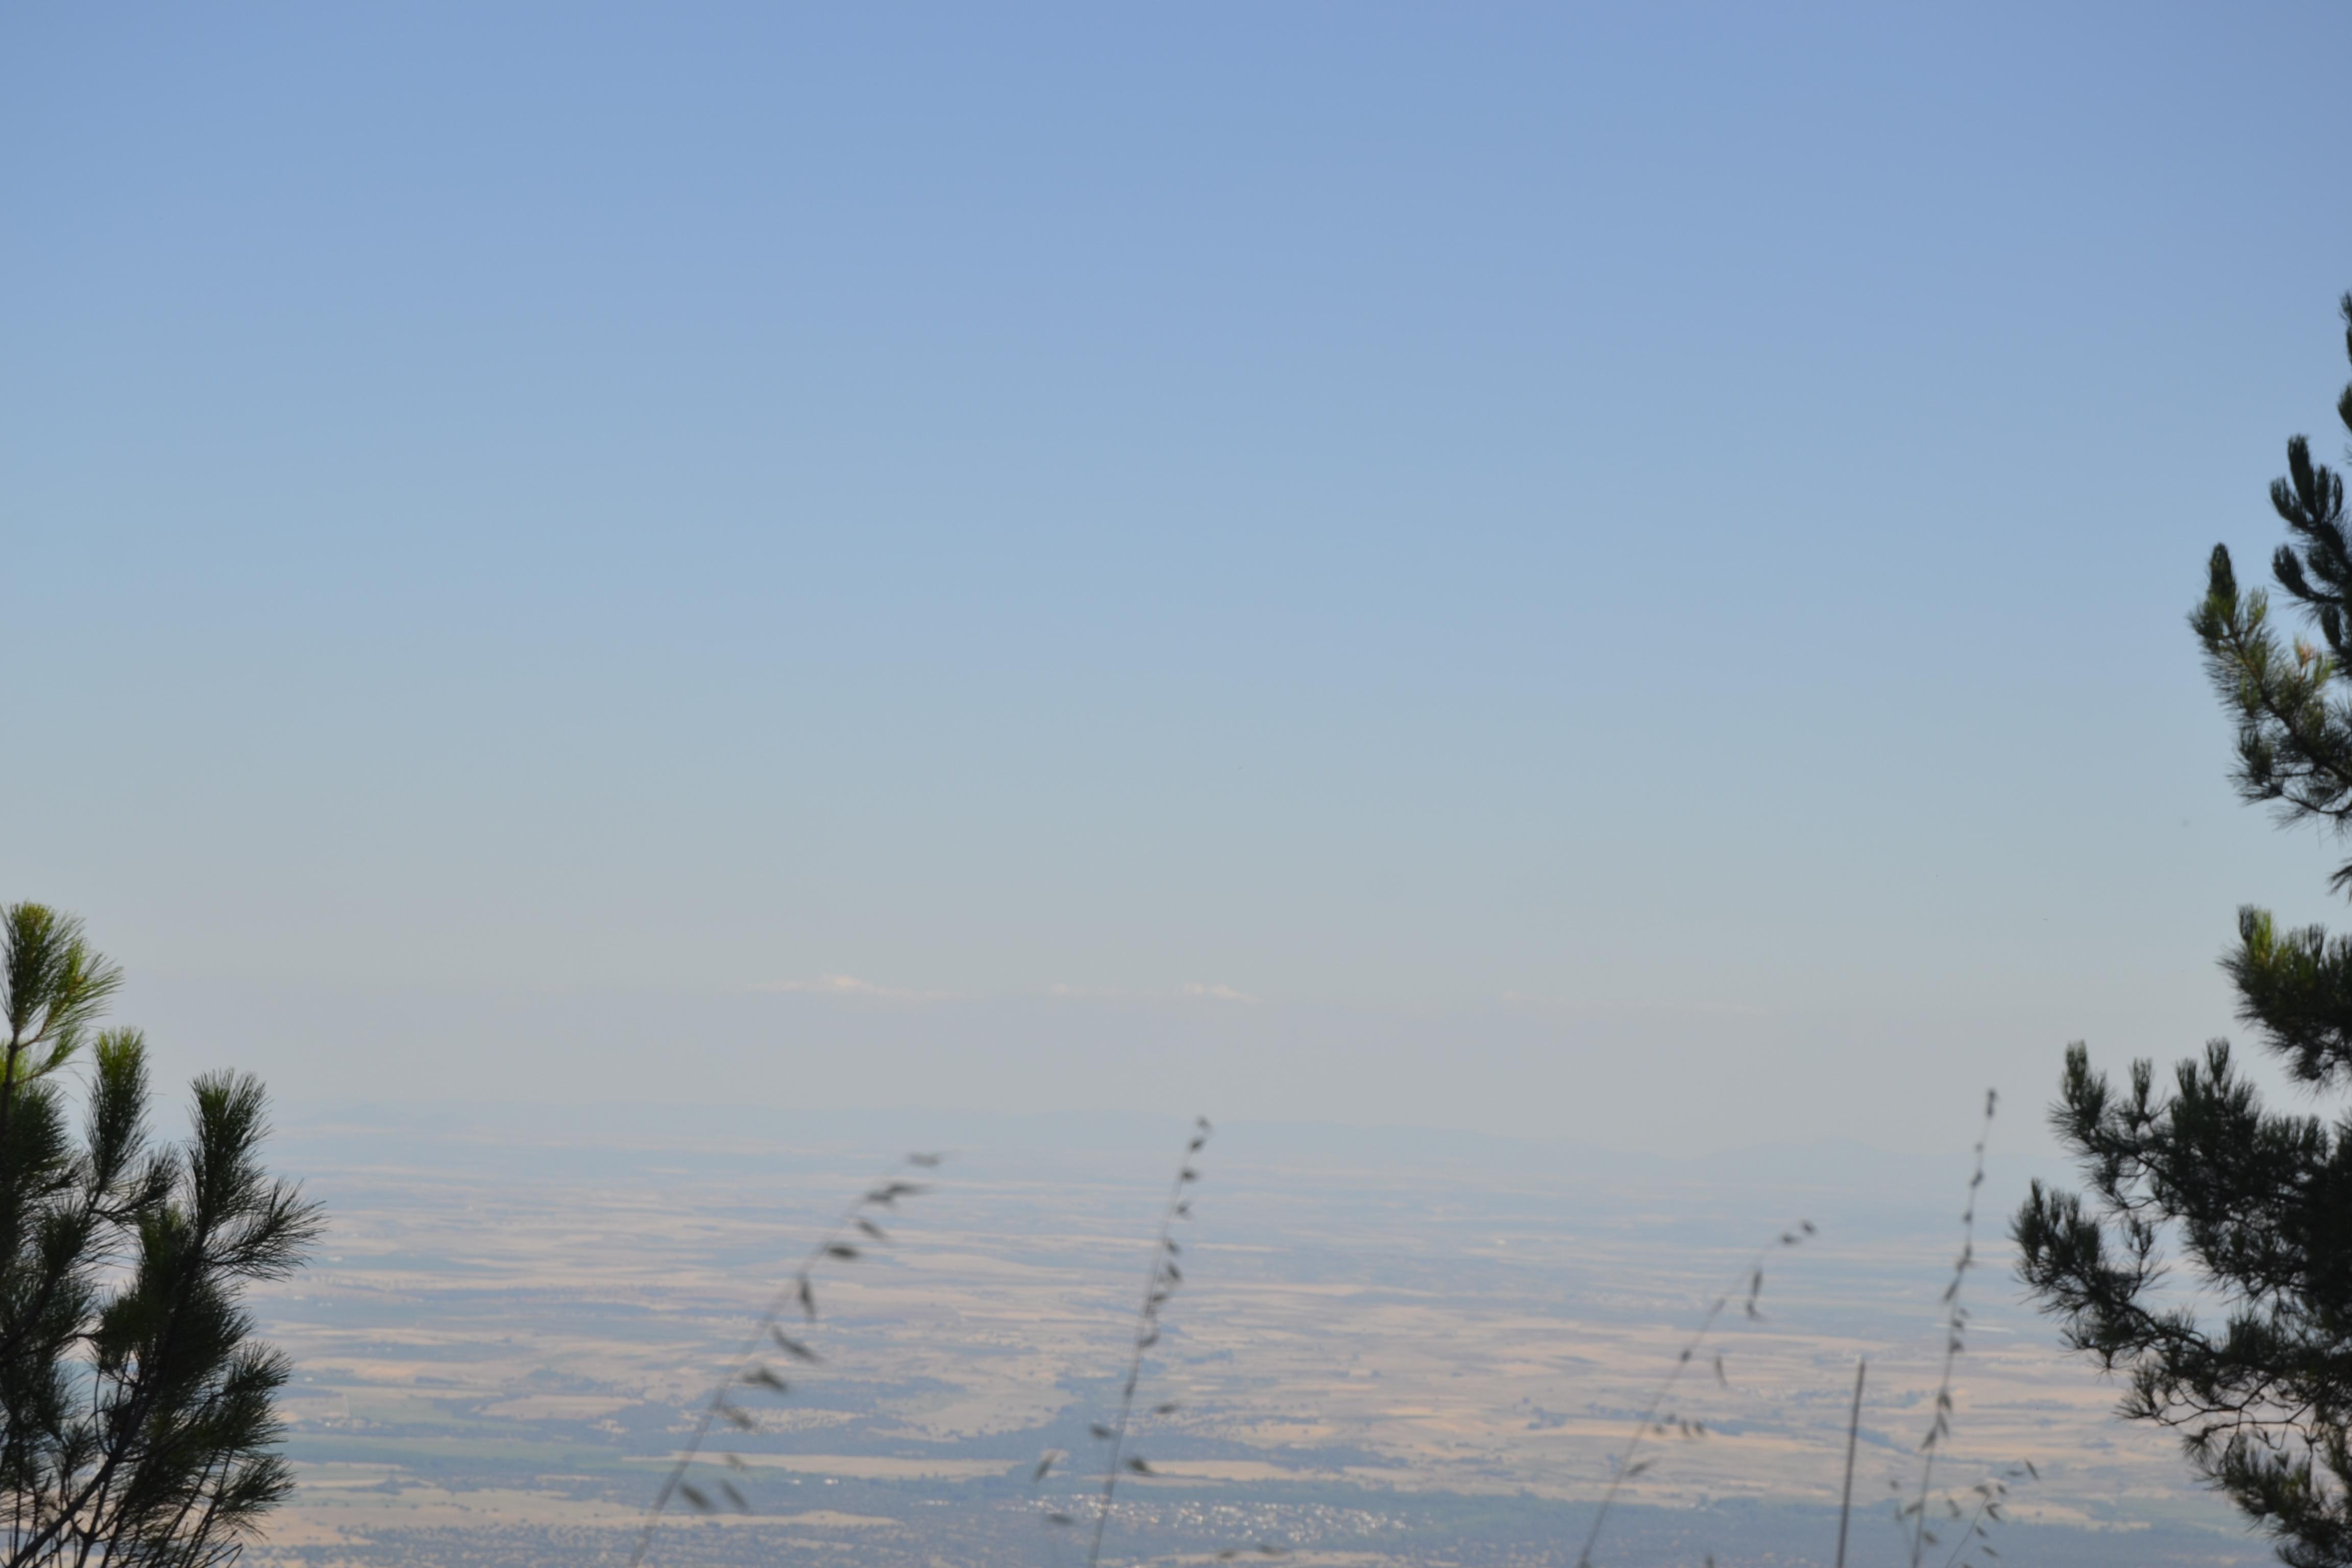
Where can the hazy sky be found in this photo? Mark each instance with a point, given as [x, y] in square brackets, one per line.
[1615, 572]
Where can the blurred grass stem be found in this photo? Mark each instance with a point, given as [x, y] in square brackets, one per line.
[1853, 1432]
[747, 1366]
[1158, 1281]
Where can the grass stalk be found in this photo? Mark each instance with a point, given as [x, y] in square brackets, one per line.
[1752, 1278]
[750, 1369]
[1160, 1281]
[1852, 1434]
[1955, 1319]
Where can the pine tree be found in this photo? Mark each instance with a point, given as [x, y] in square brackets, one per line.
[2259, 1202]
[136, 1421]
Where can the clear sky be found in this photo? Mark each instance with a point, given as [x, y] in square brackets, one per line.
[1610, 571]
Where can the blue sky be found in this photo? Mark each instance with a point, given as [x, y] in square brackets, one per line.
[1612, 572]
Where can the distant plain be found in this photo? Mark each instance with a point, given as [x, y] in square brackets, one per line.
[1392, 1347]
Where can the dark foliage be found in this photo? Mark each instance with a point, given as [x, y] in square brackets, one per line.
[2260, 1202]
[136, 1422]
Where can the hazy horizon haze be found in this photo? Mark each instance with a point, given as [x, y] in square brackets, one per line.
[1537, 570]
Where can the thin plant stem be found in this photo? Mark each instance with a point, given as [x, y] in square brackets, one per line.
[1162, 1278]
[1852, 1433]
[1969, 1534]
[1753, 1276]
[746, 1368]
[1956, 1318]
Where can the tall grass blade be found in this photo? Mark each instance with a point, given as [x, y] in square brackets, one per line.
[1955, 1319]
[1852, 1433]
[1750, 1287]
[1159, 1283]
[748, 1370]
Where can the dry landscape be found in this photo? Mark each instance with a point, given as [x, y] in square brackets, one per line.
[1390, 1349]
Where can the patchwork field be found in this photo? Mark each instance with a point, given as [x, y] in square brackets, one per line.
[1387, 1349]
